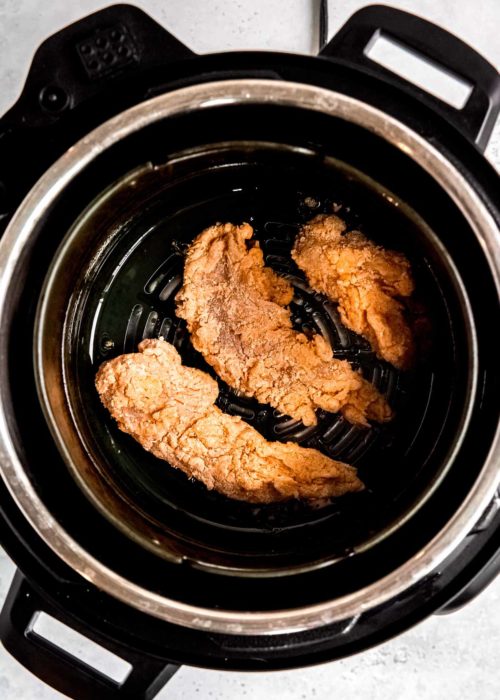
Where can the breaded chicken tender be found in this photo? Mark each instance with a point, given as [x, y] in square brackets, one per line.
[234, 308]
[366, 280]
[169, 409]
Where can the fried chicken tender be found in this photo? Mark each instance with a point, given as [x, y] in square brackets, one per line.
[234, 308]
[366, 280]
[169, 409]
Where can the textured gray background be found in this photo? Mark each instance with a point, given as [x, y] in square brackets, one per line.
[455, 657]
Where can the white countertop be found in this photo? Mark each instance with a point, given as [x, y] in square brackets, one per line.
[456, 657]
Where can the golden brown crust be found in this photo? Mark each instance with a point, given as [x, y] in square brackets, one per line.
[366, 280]
[169, 409]
[234, 308]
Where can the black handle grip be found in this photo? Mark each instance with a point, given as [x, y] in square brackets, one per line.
[477, 118]
[60, 669]
[81, 60]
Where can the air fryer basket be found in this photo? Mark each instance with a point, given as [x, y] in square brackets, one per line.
[113, 282]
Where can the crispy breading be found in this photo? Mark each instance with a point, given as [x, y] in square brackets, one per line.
[234, 308]
[366, 280]
[169, 409]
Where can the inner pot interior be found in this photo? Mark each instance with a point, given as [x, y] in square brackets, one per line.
[114, 280]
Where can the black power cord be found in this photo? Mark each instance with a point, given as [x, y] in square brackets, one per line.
[323, 24]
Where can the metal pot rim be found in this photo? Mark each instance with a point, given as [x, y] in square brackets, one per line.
[22, 226]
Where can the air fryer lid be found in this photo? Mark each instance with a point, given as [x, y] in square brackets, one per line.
[441, 281]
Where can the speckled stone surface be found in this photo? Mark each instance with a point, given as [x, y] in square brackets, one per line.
[455, 657]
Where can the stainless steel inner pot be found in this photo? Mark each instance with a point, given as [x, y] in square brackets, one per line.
[17, 239]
